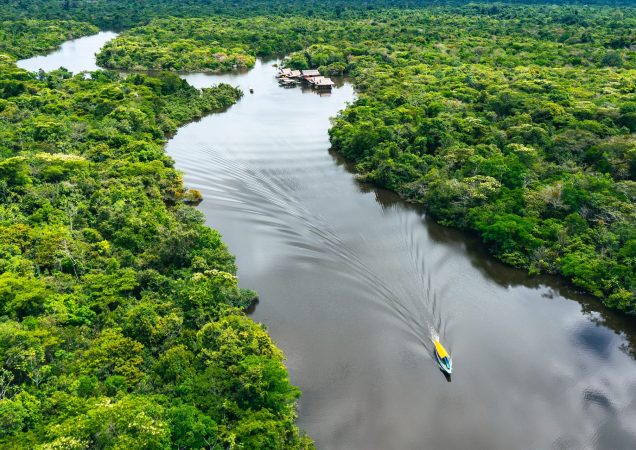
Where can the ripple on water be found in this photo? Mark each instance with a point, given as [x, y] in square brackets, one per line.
[351, 280]
[354, 283]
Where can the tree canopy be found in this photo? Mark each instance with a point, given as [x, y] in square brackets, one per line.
[121, 317]
[121, 322]
[516, 122]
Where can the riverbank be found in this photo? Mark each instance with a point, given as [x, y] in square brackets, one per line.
[542, 175]
[352, 281]
[122, 313]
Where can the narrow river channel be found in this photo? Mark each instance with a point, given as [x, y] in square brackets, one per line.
[353, 283]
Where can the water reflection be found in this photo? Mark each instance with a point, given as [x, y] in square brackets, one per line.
[549, 287]
[77, 55]
[352, 283]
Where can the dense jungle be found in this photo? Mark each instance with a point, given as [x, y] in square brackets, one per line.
[122, 322]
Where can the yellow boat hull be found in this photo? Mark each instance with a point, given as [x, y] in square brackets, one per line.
[443, 358]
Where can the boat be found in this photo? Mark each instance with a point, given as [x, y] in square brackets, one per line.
[443, 358]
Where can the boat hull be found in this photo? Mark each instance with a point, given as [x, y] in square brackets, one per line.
[446, 369]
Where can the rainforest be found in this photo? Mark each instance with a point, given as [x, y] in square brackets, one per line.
[501, 131]
[122, 320]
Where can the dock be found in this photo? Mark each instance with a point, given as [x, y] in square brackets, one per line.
[309, 77]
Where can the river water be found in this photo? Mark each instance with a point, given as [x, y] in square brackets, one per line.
[76, 55]
[353, 283]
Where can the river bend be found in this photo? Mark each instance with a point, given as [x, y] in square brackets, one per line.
[353, 283]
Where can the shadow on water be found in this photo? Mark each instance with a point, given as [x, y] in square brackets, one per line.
[503, 275]
[354, 283]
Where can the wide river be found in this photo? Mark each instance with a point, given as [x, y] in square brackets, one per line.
[353, 283]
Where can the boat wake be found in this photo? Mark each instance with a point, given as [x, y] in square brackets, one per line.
[272, 199]
[281, 190]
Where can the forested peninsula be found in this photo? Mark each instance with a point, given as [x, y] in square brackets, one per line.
[121, 322]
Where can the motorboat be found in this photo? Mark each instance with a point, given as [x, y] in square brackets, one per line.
[443, 358]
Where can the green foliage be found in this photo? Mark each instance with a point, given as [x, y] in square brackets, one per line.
[119, 325]
[494, 123]
[108, 278]
[328, 59]
[201, 48]
[191, 428]
[491, 117]
[24, 38]
[133, 422]
[218, 44]
[488, 116]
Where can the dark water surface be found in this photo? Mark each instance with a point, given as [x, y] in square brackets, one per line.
[353, 283]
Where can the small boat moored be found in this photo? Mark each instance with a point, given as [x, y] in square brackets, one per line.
[443, 358]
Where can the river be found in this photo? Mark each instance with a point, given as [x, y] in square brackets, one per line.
[353, 283]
